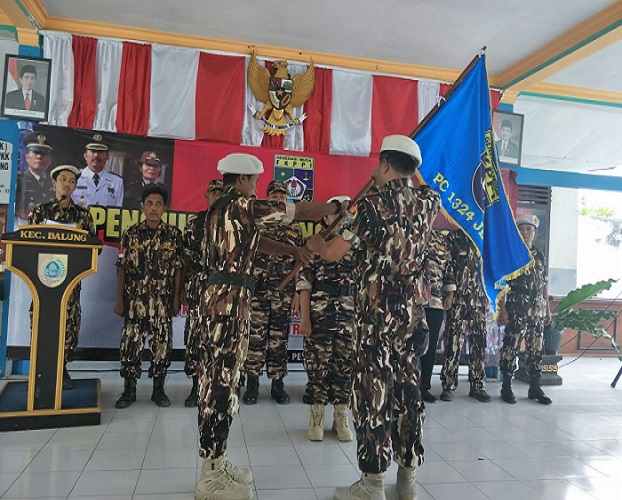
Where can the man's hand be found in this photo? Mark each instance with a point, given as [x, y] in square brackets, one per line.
[119, 308]
[303, 254]
[502, 320]
[448, 301]
[305, 326]
[315, 243]
[296, 304]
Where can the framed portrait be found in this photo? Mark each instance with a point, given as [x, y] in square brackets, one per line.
[26, 88]
[508, 131]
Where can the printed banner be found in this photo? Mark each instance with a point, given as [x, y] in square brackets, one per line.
[187, 168]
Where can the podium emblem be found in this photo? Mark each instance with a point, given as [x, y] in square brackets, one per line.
[52, 269]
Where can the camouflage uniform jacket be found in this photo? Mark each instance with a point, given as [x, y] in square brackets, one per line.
[231, 240]
[271, 269]
[437, 271]
[389, 233]
[73, 214]
[531, 283]
[342, 273]
[196, 273]
[465, 268]
[150, 260]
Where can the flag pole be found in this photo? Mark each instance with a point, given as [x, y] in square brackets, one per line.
[442, 100]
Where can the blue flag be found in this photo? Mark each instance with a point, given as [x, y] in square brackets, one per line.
[460, 162]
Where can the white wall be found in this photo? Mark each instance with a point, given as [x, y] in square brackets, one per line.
[563, 240]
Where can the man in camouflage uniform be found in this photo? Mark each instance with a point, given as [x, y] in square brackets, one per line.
[524, 312]
[232, 239]
[468, 312]
[327, 321]
[442, 288]
[194, 279]
[148, 295]
[34, 185]
[271, 308]
[389, 233]
[64, 211]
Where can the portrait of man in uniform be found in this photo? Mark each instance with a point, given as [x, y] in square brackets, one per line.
[26, 87]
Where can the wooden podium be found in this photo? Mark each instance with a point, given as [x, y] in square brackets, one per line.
[51, 259]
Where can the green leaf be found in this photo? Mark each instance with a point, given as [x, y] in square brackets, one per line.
[586, 292]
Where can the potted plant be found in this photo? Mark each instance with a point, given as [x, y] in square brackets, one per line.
[566, 316]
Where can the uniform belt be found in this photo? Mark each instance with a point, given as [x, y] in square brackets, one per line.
[232, 279]
[274, 268]
[520, 290]
[335, 290]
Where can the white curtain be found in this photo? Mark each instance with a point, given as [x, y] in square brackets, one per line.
[428, 93]
[252, 129]
[295, 136]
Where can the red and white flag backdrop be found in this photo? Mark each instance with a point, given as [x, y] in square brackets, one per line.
[183, 93]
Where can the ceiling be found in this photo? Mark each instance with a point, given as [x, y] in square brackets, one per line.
[558, 61]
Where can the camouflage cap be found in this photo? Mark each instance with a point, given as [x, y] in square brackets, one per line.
[275, 186]
[57, 170]
[96, 144]
[150, 158]
[531, 220]
[215, 185]
[37, 141]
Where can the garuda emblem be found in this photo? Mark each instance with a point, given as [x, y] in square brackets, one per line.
[280, 94]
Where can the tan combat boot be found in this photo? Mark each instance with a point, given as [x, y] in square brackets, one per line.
[340, 423]
[217, 483]
[242, 476]
[316, 423]
[406, 483]
[369, 487]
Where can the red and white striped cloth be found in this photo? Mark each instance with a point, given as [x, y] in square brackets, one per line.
[163, 91]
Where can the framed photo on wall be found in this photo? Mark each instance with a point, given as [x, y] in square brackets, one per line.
[26, 88]
[508, 130]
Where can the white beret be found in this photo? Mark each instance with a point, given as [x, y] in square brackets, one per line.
[532, 220]
[403, 144]
[240, 163]
[340, 199]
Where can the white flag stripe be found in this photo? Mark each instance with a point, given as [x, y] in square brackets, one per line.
[350, 121]
[173, 92]
[252, 129]
[57, 46]
[428, 93]
[108, 73]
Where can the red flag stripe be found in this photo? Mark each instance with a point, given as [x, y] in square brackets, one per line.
[134, 89]
[84, 101]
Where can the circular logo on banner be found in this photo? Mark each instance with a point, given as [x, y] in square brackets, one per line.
[52, 269]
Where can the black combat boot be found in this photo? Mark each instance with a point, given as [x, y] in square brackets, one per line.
[536, 392]
[158, 395]
[129, 394]
[480, 394]
[193, 397]
[67, 382]
[252, 390]
[506, 389]
[278, 392]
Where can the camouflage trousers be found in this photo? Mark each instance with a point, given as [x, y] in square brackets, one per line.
[223, 349]
[72, 323]
[192, 339]
[270, 321]
[524, 321]
[327, 352]
[159, 332]
[386, 402]
[460, 318]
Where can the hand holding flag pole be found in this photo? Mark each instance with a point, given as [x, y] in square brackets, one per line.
[325, 233]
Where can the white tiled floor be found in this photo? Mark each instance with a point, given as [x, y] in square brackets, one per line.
[570, 450]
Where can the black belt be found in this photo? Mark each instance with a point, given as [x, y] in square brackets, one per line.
[335, 290]
[274, 268]
[232, 279]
